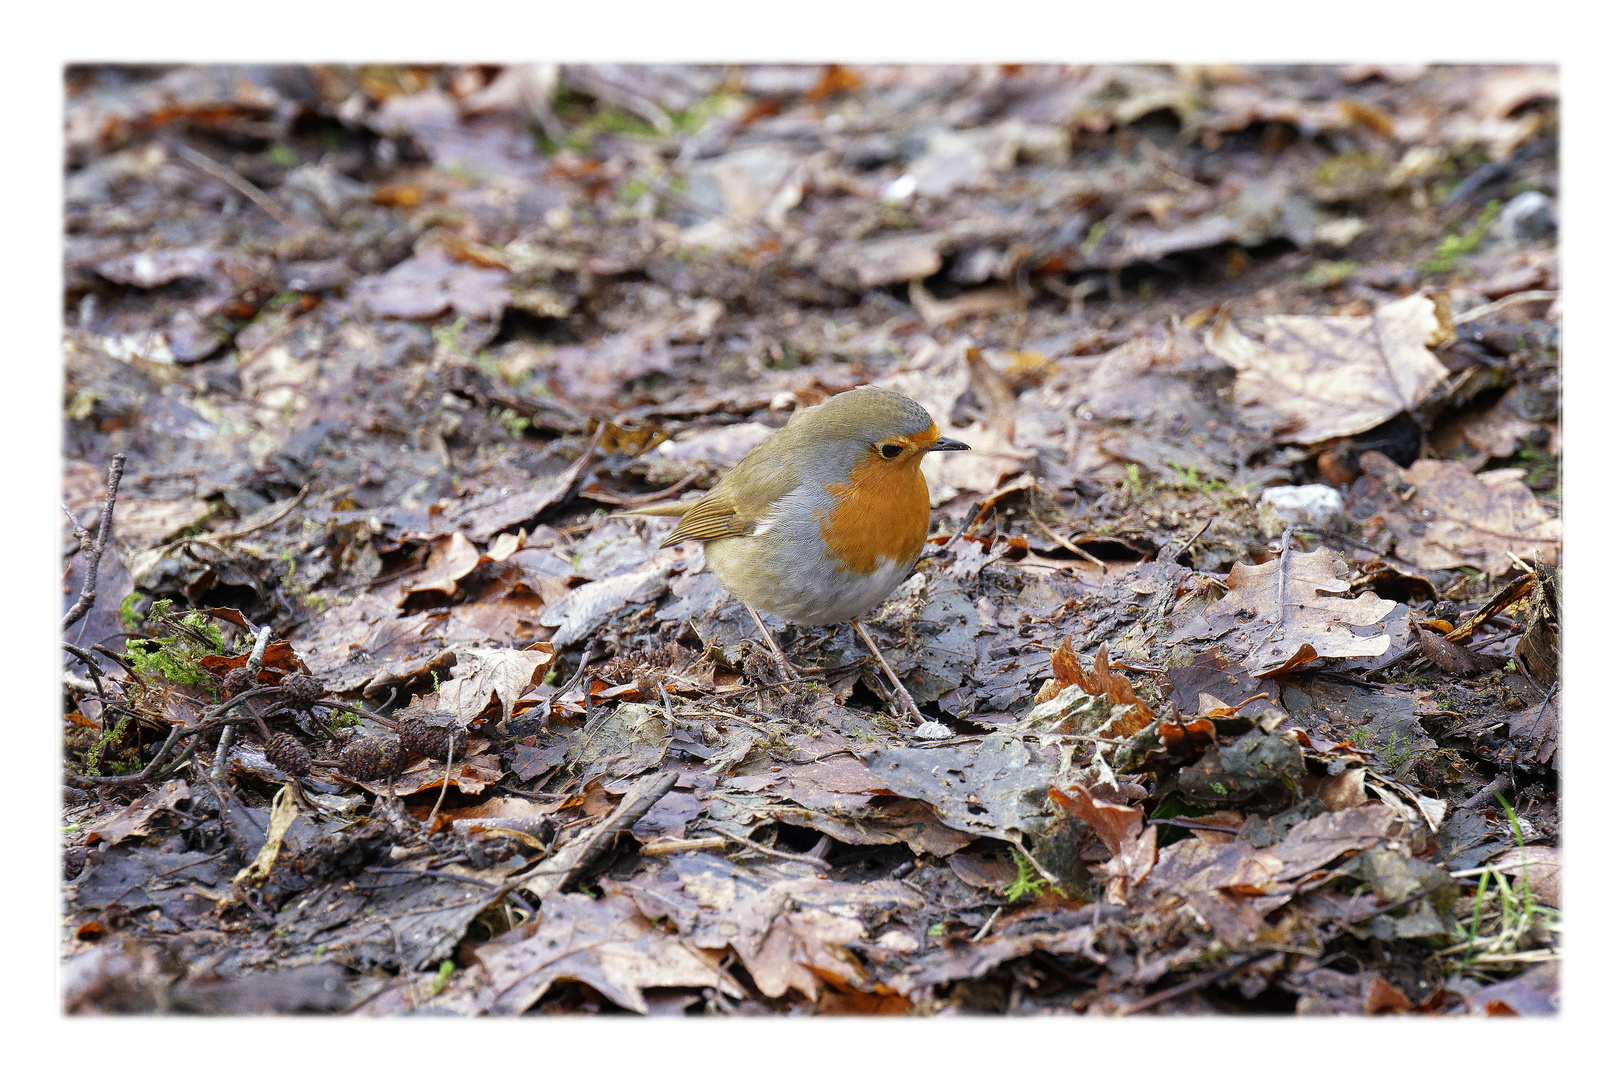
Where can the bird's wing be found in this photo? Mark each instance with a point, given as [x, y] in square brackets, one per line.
[711, 518]
[740, 502]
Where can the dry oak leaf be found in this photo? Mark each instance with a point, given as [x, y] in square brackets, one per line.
[1102, 682]
[1460, 518]
[790, 930]
[1332, 375]
[449, 561]
[1122, 828]
[1280, 627]
[1540, 867]
[606, 944]
[480, 674]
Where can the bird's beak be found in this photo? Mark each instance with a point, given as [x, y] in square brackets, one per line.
[948, 444]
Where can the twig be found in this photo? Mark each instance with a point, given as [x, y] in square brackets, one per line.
[972, 514]
[230, 177]
[87, 594]
[1284, 576]
[1187, 823]
[81, 535]
[1067, 545]
[217, 538]
[671, 845]
[1035, 865]
[1497, 786]
[499, 892]
[906, 700]
[95, 669]
[280, 334]
[986, 926]
[1193, 984]
[1189, 543]
[139, 778]
[450, 752]
[612, 499]
[256, 660]
[1504, 302]
[792, 856]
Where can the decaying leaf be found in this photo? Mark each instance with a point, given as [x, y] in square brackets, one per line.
[1100, 681]
[449, 561]
[1539, 868]
[1330, 375]
[1122, 828]
[430, 283]
[1278, 625]
[790, 929]
[607, 944]
[1444, 515]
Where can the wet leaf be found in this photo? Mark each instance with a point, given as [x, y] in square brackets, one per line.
[1448, 516]
[605, 943]
[1279, 625]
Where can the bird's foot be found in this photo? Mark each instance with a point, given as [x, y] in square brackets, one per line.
[927, 728]
[787, 671]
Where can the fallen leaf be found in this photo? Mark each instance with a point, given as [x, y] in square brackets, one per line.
[606, 944]
[1539, 868]
[1277, 626]
[1102, 682]
[1453, 517]
[481, 674]
[429, 284]
[1330, 375]
[449, 561]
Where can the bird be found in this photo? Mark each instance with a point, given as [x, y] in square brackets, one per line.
[824, 518]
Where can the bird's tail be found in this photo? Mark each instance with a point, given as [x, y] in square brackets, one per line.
[664, 509]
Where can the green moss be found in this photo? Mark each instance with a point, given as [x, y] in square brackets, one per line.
[174, 653]
[1325, 274]
[1453, 246]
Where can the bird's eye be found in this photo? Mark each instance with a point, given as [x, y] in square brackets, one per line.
[890, 450]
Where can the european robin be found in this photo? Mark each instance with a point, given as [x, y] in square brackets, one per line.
[823, 519]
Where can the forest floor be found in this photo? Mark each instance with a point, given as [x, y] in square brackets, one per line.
[1242, 614]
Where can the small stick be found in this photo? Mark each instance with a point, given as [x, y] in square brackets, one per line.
[256, 660]
[986, 926]
[648, 499]
[792, 856]
[1068, 546]
[1284, 565]
[91, 666]
[230, 177]
[450, 752]
[1192, 985]
[87, 594]
[1035, 865]
[906, 698]
[215, 539]
[1503, 302]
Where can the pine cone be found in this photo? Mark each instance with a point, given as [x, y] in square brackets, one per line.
[302, 691]
[369, 758]
[236, 681]
[430, 740]
[288, 754]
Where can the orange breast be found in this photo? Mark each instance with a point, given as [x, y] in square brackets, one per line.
[883, 512]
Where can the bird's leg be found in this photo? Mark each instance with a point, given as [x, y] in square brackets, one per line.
[786, 670]
[905, 698]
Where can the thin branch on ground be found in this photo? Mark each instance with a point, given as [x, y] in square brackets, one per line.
[235, 180]
[87, 594]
